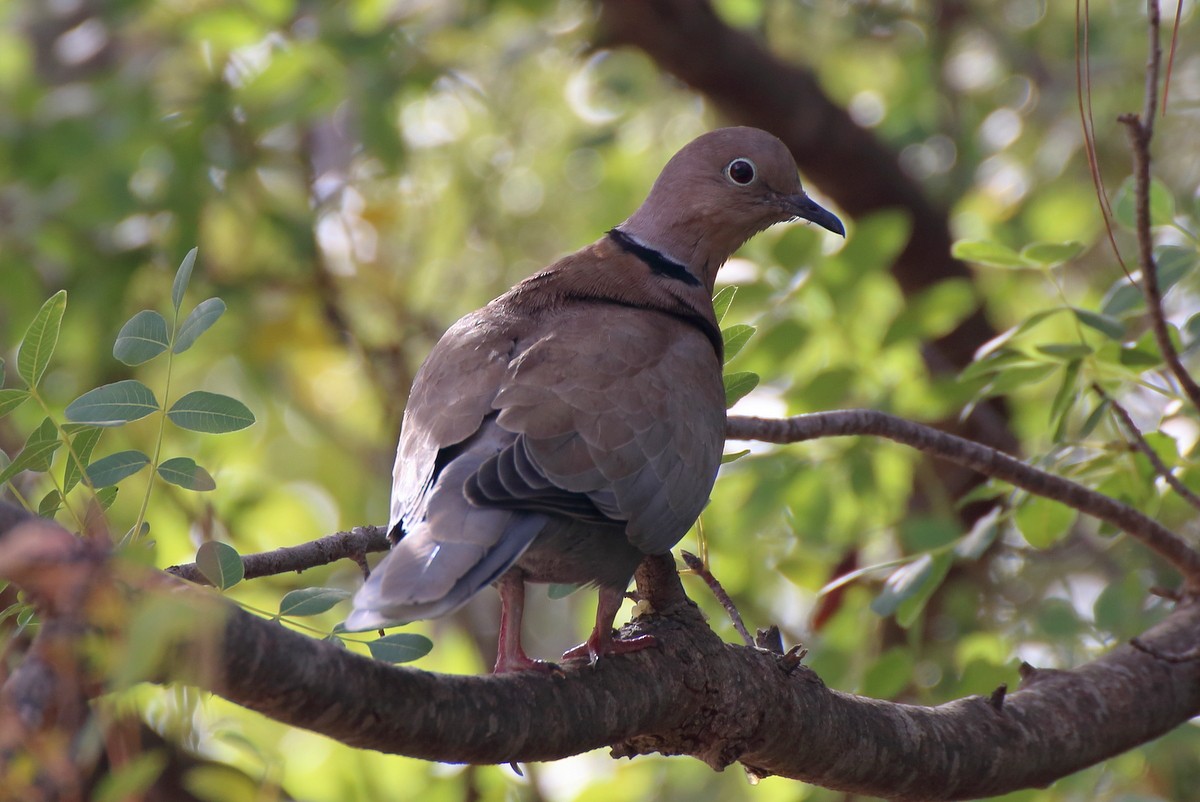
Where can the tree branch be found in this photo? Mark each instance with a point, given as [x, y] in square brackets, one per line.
[977, 457]
[1141, 132]
[692, 695]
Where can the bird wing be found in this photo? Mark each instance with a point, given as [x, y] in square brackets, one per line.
[619, 415]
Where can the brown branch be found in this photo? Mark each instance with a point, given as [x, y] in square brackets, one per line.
[977, 457]
[698, 567]
[691, 695]
[352, 545]
[1139, 442]
[1141, 132]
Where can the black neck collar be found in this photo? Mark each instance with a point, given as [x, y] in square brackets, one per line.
[657, 262]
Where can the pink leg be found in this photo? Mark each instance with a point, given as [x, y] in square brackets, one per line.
[601, 641]
[509, 654]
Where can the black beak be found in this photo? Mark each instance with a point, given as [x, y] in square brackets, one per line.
[808, 209]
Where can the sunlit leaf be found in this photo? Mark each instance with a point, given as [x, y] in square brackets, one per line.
[988, 253]
[201, 411]
[401, 647]
[737, 385]
[734, 456]
[200, 319]
[736, 337]
[1051, 253]
[143, 337]
[113, 404]
[311, 601]
[33, 355]
[36, 454]
[182, 276]
[220, 563]
[1043, 522]
[184, 472]
[115, 467]
[982, 535]
[722, 300]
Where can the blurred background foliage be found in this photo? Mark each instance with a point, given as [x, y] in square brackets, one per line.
[358, 174]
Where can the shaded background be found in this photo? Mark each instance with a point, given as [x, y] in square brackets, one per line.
[359, 174]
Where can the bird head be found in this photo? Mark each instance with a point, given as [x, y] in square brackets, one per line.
[718, 191]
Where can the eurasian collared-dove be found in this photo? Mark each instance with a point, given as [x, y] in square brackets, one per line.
[575, 424]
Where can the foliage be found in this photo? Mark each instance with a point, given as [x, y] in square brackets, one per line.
[452, 152]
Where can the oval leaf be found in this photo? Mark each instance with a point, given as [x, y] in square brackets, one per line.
[143, 337]
[1051, 253]
[1066, 351]
[33, 355]
[1109, 327]
[37, 452]
[115, 467]
[11, 399]
[1043, 522]
[400, 648]
[737, 385]
[113, 404]
[986, 252]
[79, 456]
[220, 563]
[736, 338]
[49, 504]
[722, 300]
[184, 471]
[182, 276]
[904, 582]
[311, 601]
[199, 321]
[201, 411]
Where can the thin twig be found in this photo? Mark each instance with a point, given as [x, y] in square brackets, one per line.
[1140, 443]
[977, 457]
[700, 570]
[322, 551]
[1141, 132]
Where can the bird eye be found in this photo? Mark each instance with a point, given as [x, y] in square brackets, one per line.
[740, 171]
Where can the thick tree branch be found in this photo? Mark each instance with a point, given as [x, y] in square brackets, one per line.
[692, 695]
[977, 457]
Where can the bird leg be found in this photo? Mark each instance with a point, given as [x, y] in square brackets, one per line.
[601, 641]
[510, 656]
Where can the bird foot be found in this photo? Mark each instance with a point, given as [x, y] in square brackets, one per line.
[597, 646]
[505, 665]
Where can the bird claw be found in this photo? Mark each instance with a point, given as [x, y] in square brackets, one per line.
[596, 647]
[523, 663]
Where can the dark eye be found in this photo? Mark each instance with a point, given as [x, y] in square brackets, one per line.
[740, 171]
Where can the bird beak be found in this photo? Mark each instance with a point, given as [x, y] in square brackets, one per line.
[805, 207]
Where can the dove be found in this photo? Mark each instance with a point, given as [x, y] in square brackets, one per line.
[575, 424]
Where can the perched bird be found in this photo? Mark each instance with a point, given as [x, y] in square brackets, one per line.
[575, 424]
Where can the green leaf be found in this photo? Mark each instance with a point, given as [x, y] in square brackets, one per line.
[143, 337]
[737, 385]
[109, 470]
[132, 778]
[113, 404]
[33, 355]
[1, 372]
[988, 253]
[11, 399]
[736, 337]
[182, 276]
[1051, 253]
[184, 471]
[82, 446]
[1064, 399]
[311, 601]
[1108, 326]
[1162, 204]
[220, 563]
[559, 590]
[911, 585]
[1043, 522]
[105, 497]
[1172, 264]
[201, 411]
[1093, 419]
[983, 533]
[400, 648]
[1066, 351]
[206, 313]
[722, 300]
[734, 456]
[37, 452]
[50, 504]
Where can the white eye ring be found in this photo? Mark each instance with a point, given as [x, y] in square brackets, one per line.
[741, 171]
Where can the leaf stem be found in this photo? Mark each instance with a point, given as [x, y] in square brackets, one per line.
[70, 455]
[136, 532]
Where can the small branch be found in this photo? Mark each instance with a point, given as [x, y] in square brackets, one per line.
[341, 545]
[1140, 443]
[987, 461]
[701, 570]
[1141, 132]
